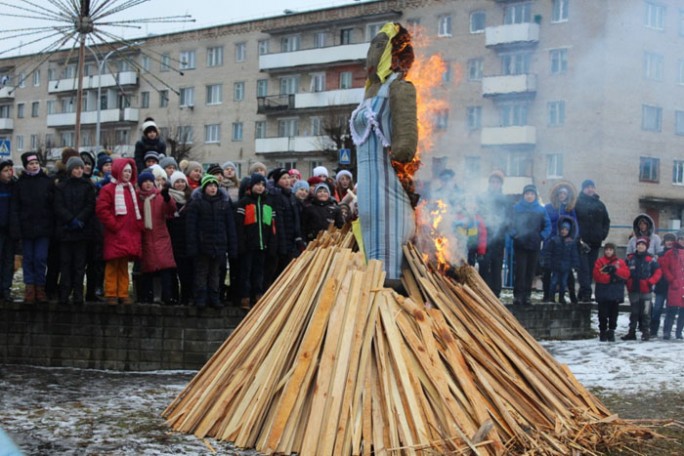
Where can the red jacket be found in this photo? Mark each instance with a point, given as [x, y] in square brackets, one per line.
[645, 270]
[672, 265]
[157, 251]
[621, 269]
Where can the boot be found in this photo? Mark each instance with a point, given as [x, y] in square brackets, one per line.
[244, 304]
[631, 335]
[29, 294]
[40, 294]
[603, 336]
[111, 301]
[610, 335]
[573, 296]
[561, 299]
[646, 335]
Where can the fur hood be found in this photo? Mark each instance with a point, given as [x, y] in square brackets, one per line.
[649, 222]
[572, 195]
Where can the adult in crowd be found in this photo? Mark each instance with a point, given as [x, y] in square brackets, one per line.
[6, 243]
[594, 225]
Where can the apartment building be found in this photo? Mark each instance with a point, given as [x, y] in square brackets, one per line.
[543, 89]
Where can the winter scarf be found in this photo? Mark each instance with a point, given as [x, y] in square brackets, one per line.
[147, 208]
[120, 200]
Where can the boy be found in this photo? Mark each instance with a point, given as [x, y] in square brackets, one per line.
[560, 257]
[322, 211]
[644, 272]
[610, 274]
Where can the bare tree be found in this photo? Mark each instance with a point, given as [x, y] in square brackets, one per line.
[335, 125]
[178, 135]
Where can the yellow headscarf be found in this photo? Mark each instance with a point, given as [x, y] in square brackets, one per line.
[384, 68]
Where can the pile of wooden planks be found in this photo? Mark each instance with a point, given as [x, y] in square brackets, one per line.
[331, 363]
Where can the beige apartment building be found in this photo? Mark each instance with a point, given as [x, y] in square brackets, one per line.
[542, 89]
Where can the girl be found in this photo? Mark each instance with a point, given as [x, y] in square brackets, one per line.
[180, 192]
[193, 171]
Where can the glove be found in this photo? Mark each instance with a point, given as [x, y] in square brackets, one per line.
[609, 269]
[165, 194]
[584, 247]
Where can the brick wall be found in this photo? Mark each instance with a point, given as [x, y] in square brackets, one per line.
[556, 321]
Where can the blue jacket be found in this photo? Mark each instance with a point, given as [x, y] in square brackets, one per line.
[530, 226]
[561, 253]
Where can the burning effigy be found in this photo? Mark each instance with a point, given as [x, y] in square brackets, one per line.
[332, 362]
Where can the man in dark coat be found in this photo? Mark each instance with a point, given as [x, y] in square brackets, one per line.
[6, 243]
[594, 225]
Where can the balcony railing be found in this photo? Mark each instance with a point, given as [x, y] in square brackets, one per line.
[314, 57]
[6, 124]
[513, 84]
[339, 97]
[502, 35]
[7, 93]
[275, 104]
[68, 119]
[519, 135]
[294, 144]
[124, 78]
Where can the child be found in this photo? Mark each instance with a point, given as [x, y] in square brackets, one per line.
[169, 165]
[661, 288]
[151, 159]
[157, 253]
[470, 231]
[32, 220]
[74, 211]
[210, 236]
[193, 171]
[118, 210]
[644, 272]
[644, 227]
[345, 183]
[180, 192]
[103, 173]
[610, 274]
[6, 243]
[150, 141]
[230, 182]
[322, 211]
[561, 256]
[256, 232]
[673, 269]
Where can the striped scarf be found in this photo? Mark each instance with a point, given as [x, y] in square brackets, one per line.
[120, 199]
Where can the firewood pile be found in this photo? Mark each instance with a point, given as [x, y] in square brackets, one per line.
[331, 363]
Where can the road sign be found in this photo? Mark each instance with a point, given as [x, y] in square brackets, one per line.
[5, 147]
[345, 157]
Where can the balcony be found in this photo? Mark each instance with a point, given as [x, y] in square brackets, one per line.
[512, 34]
[7, 93]
[340, 97]
[514, 84]
[293, 144]
[523, 135]
[68, 119]
[275, 104]
[6, 124]
[318, 57]
[123, 78]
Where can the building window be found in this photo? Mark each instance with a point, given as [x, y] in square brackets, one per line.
[475, 69]
[262, 46]
[288, 128]
[372, 30]
[20, 142]
[319, 39]
[289, 85]
[289, 43]
[559, 12]
[20, 110]
[517, 63]
[187, 96]
[187, 60]
[559, 60]
[651, 118]
[474, 117]
[442, 119]
[518, 164]
[447, 75]
[237, 131]
[316, 126]
[68, 138]
[513, 115]
[214, 94]
[163, 98]
[239, 91]
[34, 142]
[413, 26]
[444, 24]
[185, 134]
[478, 21]
[678, 172]
[679, 123]
[654, 16]
[36, 78]
[35, 109]
[52, 106]
[165, 62]
[145, 62]
[346, 36]
[259, 129]
[317, 82]
[649, 169]
[212, 133]
[556, 111]
[653, 66]
[144, 100]
[240, 52]
[215, 56]
[346, 80]
[554, 166]
[518, 13]
[122, 136]
[473, 166]
[262, 87]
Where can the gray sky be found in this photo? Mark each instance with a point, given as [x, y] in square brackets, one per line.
[205, 12]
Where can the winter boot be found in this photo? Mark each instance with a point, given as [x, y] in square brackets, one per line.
[29, 294]
[41, 297]
[645, 335]
[573, 296]
[631, 335]
[244, 304]
[610, 335]
[561, 299]
[603, 336]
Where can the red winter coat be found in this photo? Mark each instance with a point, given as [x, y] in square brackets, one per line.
[672, 264]
[122, 233]
[157, 250]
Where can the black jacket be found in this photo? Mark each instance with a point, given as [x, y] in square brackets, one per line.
[74, 202]
[210, 227]
[177, 227]
[143, 146]
[288, 225]
[318, 216]
[256, 223]
[593, 219]
[6, 191]
[32, 212]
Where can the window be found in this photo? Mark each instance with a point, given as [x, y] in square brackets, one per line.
[262, 87]
[475, 69]
[372, 30]
[681, 22]
[413, 26]
[259, 129]
[289, 43]
[442, 119]
[444, 24]
[238, 91]
[477, 21]
[317, 82]
[649, 169]
[288, 128]
[679, 123]
[145, 62]
[163, 98]
[319, 39]
[447, 75]
[313, 165]
[237, 131]
[5, 111]
[20, 110]
[185, 134]
[680, 76]
[516, 63]
[556, 111]
[651, 118]
[215, 56]
[187, 96]
[472, 167]
[187, 60]
[653, 66]
[513, 115]
[36, 78]
[144, 100]
[22, 80]
[35, 109]
[554, 166]
[559, 12]
[559, 60]
[34, 142]
[240, 52]
[165, 62]
[122, 136]
[263, 47]
[518, 13]
[51, 74]
[678, 172]
[214, 94]
[316, 126]
[474, 117]
[289, 85]
[346, 80]
[654, 16]
[346, 36]
[518, 164]
[212, 133]
[123, 65]
[288, 164]
[68, 138]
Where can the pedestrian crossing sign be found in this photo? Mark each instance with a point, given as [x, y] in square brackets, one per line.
[4, 147]
[345, 157]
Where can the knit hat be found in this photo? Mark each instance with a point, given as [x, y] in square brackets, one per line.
[157, 171]
[145, 176]
[497, 174]
[319, 171]
[148, 125]
[168, 161]
[565, 226]
[5, 162]
[183, 165]
[254, 167]
[229, 164]
[277, 173]
[642, 240]
[26, 157]
[255, 179]
[192, 165]
[530, 188]
[88, 158]
[669, 237]
[295, 172]
[299, 185]
[72, 163]
[313, 181]
[214, 169]
[176, 176]
[344, 172]
[151, 154]
[103, 159]
[609, 245]
[588, 183]
[321, 186]
[208, 179]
